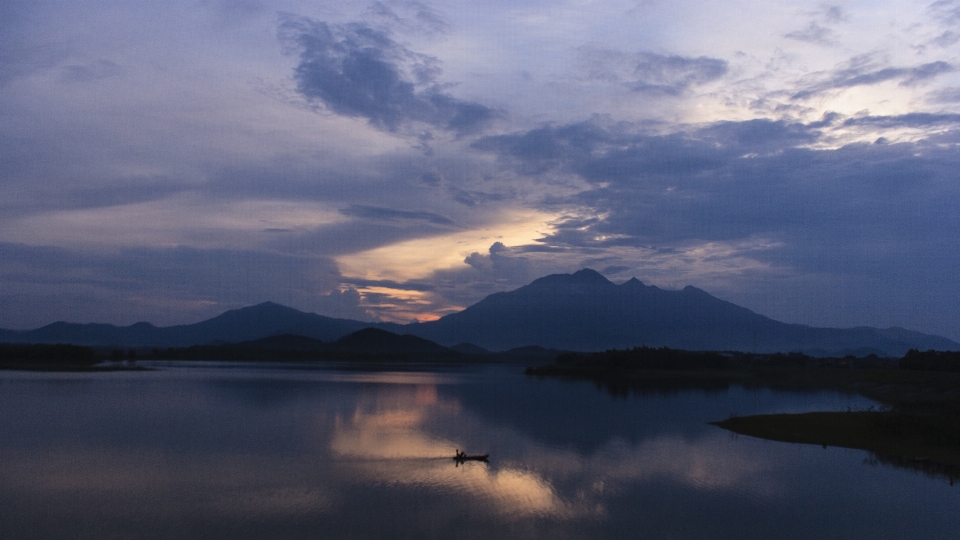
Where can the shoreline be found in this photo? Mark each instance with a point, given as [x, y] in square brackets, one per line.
[917, 427]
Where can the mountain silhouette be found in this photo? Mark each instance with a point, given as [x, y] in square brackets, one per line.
[245, 324]
[375, 340]
[583, 311]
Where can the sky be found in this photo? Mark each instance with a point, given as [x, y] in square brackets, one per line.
[400, 160]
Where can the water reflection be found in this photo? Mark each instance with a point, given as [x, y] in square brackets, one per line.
[389, 436]
[261, 452]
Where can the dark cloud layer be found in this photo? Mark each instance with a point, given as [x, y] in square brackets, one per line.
[736, 180]
[601, 154]
[356, 70]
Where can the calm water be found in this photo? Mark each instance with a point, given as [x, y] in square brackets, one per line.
[254, 451]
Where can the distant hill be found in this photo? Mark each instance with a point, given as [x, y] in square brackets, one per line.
[375, 340]
[245, 324]
[583, 311]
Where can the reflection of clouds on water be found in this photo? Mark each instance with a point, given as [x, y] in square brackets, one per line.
[388, 440]
[154, 485]
[281, 501]
[520, 493]
[708, 463]
[322, 454]
[388, 436]
[386, 422]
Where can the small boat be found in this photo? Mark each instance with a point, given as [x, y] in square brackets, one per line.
[460, 457]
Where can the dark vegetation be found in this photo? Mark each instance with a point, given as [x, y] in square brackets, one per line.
[931, 360]
[646, 358]
[917, 425]
[58, 357]
[367, 345]
[641, 363]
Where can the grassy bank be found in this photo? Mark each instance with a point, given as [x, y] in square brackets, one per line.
[929, 443]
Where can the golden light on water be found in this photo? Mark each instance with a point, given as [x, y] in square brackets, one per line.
[389, 441]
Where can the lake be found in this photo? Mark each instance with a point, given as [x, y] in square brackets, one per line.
[219, 450]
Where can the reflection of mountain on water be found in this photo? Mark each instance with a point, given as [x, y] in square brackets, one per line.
[931, 469]
[664, 387]
[545, 409]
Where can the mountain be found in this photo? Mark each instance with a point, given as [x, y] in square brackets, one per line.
[366, 345]
[375, 340]
[582, 311]
[585, 311]
[245, 324]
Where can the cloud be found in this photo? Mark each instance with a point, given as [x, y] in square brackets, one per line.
[164, 286]
[387, 214]
[614, 269]
[22, 52]
[813, 33]
[947, 12]
[93, 71]
[600, 154]
[501, 262]
[673, 74]
[237, 8]
[413, 16]
[651, 73]
[421, 257]
[860, 72]
[946, 95]
[356, 70]
[473, 198]
[834, 13]
[946, 39]
[344, 304]
[180, 220]
[912, 120]
[544, 148]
